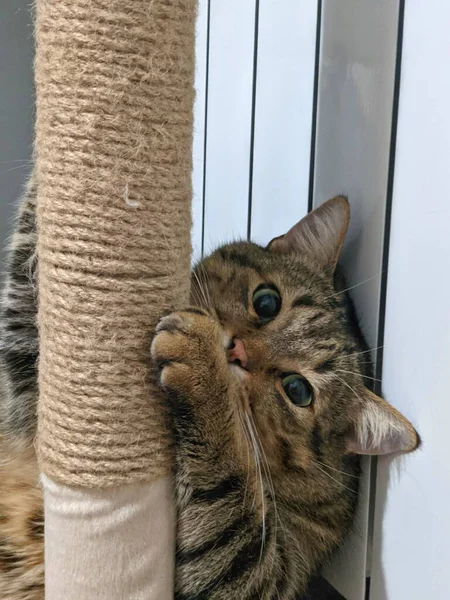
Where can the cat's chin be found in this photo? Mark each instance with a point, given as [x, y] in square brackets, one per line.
[239, 371]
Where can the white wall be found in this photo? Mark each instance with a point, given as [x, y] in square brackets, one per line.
[355, 102]
[228, 120]
[198, 146]
[412, 526]
[283, 116]
[254, 118]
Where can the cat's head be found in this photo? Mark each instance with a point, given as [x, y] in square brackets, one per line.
[296, 347]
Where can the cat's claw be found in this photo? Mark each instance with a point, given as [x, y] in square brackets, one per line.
[177, 320]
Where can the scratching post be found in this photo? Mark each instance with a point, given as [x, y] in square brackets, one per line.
[114, 83]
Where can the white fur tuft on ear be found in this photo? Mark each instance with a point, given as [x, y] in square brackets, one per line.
[381, 429]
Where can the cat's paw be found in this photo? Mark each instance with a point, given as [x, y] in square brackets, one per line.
[189, 348]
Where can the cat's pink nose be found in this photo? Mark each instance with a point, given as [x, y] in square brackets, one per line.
[237, 353]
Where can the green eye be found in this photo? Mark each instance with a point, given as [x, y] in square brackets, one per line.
[297, 389]
[266, 302]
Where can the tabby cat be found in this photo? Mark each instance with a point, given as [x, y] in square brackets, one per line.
[266, 374]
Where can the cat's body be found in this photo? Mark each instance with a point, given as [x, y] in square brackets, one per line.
[265, 374]
[21, 510]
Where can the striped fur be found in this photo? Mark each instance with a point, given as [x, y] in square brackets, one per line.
[21, 518]
[18, 327]
[265, 491]
[21, 524]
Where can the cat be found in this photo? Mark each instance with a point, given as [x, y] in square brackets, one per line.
[266, 375]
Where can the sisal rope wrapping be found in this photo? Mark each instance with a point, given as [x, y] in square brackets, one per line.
[114, 82]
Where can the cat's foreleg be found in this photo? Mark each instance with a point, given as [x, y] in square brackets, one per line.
[227, 545]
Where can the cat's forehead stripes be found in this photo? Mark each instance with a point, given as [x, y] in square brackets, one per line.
[242, 257]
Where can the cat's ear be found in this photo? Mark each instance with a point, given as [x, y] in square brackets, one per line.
[379, 428]
[320, 234]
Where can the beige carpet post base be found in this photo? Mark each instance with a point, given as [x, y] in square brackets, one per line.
[109, 544]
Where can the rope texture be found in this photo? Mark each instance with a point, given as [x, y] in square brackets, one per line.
[114, 83]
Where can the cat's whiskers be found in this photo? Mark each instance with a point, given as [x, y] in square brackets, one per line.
[199, 299]
[265, 466]
[202, 295]
[271, 486]
[16, 160]
[337, 470]
[358, 374]
[195, 296]
[364, 351]
[346, 384]
[199, 291]
[354, 286]
[260, 457]
[207, 286]
[264, 457]
[261, 482]
[252, 451]
[337, 480]
[23, 166]
[249, 430]
[207, 281]
[248, 446]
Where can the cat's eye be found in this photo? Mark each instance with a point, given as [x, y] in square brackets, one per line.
[266, 301]
[297, 389]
